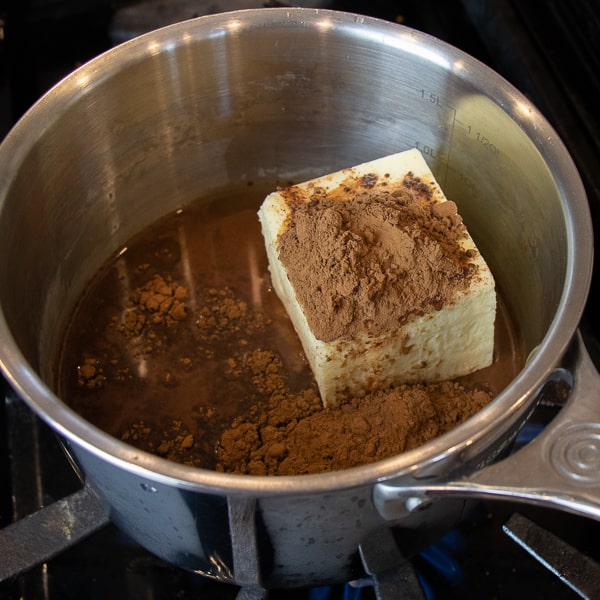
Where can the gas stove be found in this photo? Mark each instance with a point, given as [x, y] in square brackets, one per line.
[498, 550]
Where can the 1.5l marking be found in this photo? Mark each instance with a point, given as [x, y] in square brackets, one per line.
[430, 97]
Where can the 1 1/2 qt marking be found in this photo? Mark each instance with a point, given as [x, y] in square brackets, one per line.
[483, 140]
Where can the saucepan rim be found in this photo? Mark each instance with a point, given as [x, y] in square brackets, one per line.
[76, 430]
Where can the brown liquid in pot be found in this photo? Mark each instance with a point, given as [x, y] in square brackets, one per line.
[180, 336]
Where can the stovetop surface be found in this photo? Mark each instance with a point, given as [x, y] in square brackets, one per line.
[552, 55]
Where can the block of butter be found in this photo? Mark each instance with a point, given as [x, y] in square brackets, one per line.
[380, 277]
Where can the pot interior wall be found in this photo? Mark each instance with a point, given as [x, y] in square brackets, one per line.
[156, 123]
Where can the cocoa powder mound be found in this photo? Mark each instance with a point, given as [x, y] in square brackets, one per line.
[222, 383]
[160, 300]
[371, 263]
[293, 434]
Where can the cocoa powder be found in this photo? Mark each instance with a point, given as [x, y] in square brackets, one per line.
[159, 300]
[223, 383]
[293, 434]
[371, 262]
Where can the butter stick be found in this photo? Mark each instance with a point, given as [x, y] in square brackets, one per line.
[380, 277]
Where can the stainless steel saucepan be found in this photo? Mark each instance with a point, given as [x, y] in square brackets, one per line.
[295, 93]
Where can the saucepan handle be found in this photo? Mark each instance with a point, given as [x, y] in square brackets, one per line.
[560, 468]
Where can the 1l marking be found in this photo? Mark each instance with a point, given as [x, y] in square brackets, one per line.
[426, 149]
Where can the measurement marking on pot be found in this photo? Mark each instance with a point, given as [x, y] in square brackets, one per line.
[469, 184]
[436, 100]
[481, 138]
[447, 118]
[430, 97]
[427, 150]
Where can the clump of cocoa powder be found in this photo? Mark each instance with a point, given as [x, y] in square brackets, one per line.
[223, 326]
[160, 300]
[375, 260]
[90, 373]
[293, 434]
[222, 314]
[173, 442]
[285, 430]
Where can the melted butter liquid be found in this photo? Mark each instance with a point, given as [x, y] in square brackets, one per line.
[170, 380]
